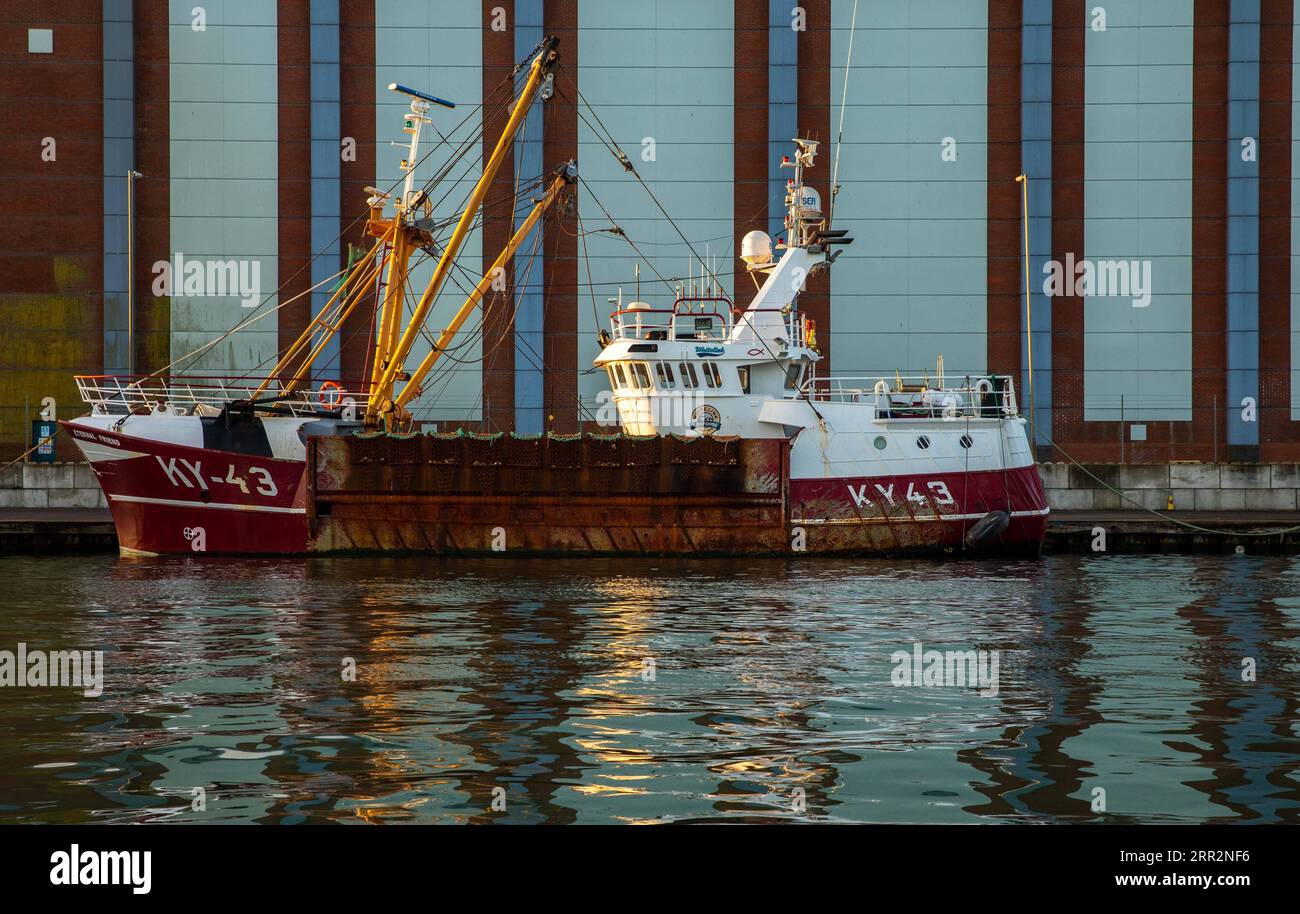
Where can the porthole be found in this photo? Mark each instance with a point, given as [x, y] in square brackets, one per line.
[880, 442]
[923, 442]
[965, 441]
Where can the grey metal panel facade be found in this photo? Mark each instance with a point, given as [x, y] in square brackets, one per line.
[1295, 213]
[1138, 209]
[436, 48]
[661, 77]
[914, 188]
[782, 107]
[224, 110]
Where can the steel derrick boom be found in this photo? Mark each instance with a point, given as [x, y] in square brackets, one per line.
[381, 407]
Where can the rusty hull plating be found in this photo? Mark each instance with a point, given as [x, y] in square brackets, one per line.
[462, 493]
[594, 494]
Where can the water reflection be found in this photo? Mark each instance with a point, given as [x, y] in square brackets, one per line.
[653, 690]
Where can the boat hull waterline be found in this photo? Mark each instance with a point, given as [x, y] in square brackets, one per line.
[174, 499]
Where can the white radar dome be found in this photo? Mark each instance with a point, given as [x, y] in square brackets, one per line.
[810, 203]
[756, 247]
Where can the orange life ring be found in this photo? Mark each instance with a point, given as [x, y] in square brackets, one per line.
[330, 387]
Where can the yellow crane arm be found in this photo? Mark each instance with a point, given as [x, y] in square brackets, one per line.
[389, 318]
[412, 388]
[362, 288]
[381, 393]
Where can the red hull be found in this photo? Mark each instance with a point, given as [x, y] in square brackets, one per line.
[920, 513]
[173, 499]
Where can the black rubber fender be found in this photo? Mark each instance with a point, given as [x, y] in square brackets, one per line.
[987, 529]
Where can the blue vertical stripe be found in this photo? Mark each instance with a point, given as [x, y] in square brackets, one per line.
[530, 404]
[1243, 222]
[782, 107]
[1036, 162]
[326, 222]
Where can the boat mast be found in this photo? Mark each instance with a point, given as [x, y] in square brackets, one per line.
[409, 238]
[564, 179]
[400, 233]
[390, 356]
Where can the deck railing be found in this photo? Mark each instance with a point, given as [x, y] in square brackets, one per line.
[920, 397]
[710, 320]
[207, 395]
[794, 326]
[698, 319]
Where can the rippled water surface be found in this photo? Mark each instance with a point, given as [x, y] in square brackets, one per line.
[653, 690]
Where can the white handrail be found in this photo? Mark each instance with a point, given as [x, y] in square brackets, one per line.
[112, 394]
[987, 396]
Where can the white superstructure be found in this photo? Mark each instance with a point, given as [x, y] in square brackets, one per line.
[704, 367]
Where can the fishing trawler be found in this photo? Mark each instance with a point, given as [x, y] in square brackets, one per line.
[726, 440]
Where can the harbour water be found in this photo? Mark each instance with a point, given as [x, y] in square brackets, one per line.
[1147, 689]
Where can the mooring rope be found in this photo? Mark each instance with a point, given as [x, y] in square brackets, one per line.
[1139, 505]
[35, 447]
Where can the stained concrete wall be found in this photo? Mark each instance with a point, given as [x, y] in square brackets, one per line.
[1194, 486]
[50, 485]
[51, 195]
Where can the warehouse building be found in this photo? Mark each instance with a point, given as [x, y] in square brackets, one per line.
[1157, 137]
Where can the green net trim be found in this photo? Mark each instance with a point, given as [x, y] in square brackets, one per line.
[553, 436]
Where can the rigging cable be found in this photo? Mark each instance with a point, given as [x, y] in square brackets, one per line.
[839, 137]
[1165, 516]
[626, 162]
[624, 235]
[582, 237]
[507, 80]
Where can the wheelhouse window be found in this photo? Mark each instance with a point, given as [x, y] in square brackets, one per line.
[743, 373]
[640, 375]
[665, 373]
[620, 379]
[712, 376]
[689, 377]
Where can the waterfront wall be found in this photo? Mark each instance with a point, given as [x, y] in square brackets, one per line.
[1193, 486]
[50, 485]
